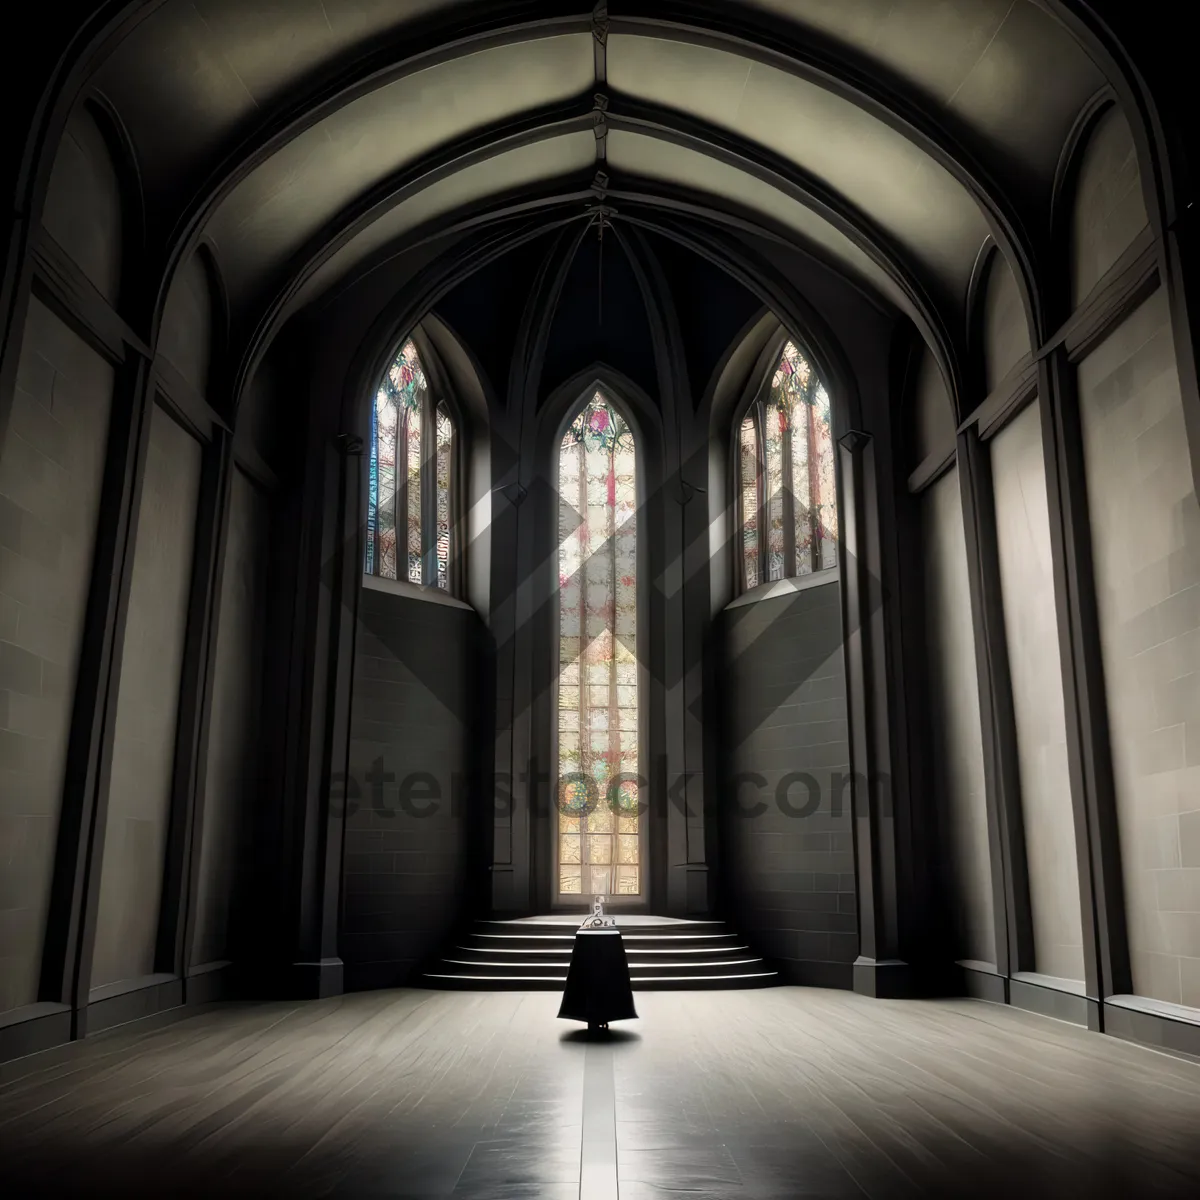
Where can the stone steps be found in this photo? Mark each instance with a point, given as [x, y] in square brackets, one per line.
[663, 954]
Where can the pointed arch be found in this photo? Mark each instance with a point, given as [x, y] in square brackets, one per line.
[599, 834]
[785, 489]
[412, 473]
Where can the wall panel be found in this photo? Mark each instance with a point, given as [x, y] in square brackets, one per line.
[83, 204]
[935, 424]
[1031, 628]
[1145, 527]
[235, 765]
[51, 471]
[1005, 329]
[412, 718]
[1109, 208]
[185, 339]
[954, 722]
[147, 707]
[789, 853]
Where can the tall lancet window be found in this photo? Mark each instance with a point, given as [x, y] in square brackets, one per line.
[598, 846]
[787, 503]
[410, 491]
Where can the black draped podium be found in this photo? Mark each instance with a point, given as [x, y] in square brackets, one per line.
[598, 988]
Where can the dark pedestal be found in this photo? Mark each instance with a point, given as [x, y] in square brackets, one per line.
[598, 989]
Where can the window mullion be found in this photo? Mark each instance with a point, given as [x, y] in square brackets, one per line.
[790, 564]
[453, 581]
[814, 475]
[762, 482]
[428, 485]
[400, 492]
[373, 492]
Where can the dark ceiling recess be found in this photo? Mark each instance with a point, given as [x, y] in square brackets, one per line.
[485, 310]
[711, 307]
[601, 317]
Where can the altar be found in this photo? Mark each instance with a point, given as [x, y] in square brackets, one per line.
[598, 988]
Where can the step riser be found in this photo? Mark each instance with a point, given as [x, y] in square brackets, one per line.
[451, 983]
[523, 956]
[453, 967]
[688, 929]
[485, 953]
[632, 942]
[658, 932]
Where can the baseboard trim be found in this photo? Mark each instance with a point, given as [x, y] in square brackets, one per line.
[376, 976]
[209, 983]
[1132, 1020]
[32, 1029]
[318, 980]
[809, 973]
[43, 1040]
[123, 987]
[156, 995]
[1054, 1002]
[884, 978]
[982, 984]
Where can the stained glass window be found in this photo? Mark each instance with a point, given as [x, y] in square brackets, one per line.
[445, 449]
[410, 519]
[787, 502]
[598, 839]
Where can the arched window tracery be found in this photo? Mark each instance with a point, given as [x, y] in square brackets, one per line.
[598, 849]
[410, 491]
[786, 495]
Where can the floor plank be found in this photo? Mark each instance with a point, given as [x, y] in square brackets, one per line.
[765, 1094]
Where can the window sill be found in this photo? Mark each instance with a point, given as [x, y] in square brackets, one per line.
[977, 964]
[1055, 983]
[414, 591]
[786, 587]
[1156, 1008]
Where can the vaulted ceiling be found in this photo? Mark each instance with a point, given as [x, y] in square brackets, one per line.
[888, 138]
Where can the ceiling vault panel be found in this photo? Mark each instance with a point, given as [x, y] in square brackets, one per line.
[889, 137]
[841, 149]
[656, 144]
[307, 182]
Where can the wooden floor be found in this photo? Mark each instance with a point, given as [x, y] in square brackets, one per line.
[780, 1093]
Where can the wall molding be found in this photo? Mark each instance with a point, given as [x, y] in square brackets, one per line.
[1089, 750]
[62, 285]
[933, 468]
[1129, 281]
[68, 1009]
[1017, 388]
[252, 464]
[183, 398]
[66, 955]
[1012, 912]
[188, 794]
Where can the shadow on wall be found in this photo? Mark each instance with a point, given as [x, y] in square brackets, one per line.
[409, 850]
[786, 828]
